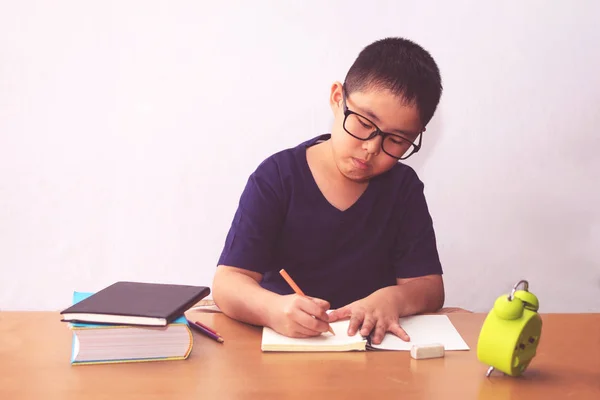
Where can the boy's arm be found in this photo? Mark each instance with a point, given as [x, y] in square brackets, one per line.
[237, 293]
[379, 312]
[420, 295]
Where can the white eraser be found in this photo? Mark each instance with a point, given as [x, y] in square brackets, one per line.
[423, 351]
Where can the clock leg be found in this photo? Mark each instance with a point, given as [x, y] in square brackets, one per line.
[489, 371]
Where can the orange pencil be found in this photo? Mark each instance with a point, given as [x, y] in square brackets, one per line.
[298, 291]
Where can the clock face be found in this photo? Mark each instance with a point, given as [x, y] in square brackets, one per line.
[527, 344]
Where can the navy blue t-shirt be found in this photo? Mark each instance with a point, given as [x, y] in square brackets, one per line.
[284, 221]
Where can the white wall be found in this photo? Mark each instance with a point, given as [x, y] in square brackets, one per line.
[128, 130]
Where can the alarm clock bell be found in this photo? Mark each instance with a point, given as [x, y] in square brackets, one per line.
[511, 332]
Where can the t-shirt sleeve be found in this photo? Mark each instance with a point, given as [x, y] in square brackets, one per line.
[416, 252]
[252, 237]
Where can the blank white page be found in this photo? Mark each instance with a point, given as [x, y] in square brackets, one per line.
[425, 329]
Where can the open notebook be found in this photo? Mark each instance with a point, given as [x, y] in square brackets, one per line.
[422, 329]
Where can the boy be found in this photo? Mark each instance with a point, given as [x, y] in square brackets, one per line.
[340, 213]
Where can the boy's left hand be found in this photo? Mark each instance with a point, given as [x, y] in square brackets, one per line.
[376, 313]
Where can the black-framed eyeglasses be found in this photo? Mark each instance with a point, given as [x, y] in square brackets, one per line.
[362, 128]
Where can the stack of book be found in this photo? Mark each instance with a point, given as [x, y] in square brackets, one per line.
[132, 322]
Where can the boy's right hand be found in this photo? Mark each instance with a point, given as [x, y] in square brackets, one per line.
[298, 316]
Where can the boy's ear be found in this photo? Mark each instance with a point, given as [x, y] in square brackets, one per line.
[335, 97]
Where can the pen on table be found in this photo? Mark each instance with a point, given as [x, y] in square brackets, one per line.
[298, 291]
[206, 331]
[208, 328]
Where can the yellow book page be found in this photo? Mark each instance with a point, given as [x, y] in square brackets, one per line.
[273, 341]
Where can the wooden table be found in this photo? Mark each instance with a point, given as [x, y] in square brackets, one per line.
[35, 352]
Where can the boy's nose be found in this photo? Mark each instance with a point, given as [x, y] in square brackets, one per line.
[373, 146]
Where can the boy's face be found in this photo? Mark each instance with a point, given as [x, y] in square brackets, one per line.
[360, 160]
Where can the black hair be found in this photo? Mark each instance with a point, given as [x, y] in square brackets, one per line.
[402, 67]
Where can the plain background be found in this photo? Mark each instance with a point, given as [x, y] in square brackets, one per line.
[128, 130]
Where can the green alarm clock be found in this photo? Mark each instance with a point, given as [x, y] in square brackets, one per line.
[511, 332]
